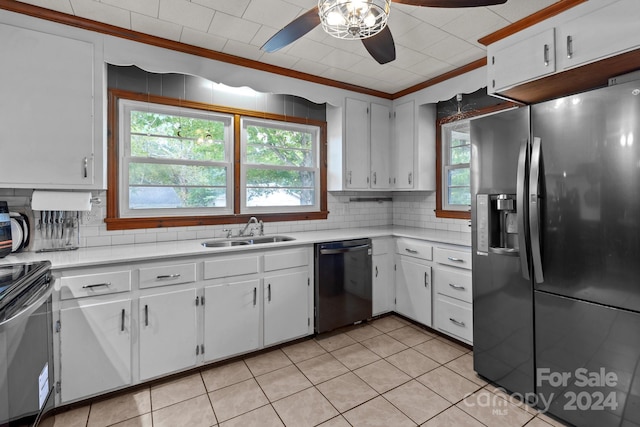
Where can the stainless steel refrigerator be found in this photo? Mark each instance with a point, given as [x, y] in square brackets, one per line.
[556, 254]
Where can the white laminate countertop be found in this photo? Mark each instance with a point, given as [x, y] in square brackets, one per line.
[104, 255]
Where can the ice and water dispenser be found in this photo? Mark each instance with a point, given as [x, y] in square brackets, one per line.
[497, 224]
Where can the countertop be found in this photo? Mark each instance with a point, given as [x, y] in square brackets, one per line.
[104, 255]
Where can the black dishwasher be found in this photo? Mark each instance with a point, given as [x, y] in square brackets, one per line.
[342, 283]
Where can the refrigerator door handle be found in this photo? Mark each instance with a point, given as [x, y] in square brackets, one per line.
[521, 206]
[534, 209]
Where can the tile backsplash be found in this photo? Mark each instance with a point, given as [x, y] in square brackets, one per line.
[407, 209]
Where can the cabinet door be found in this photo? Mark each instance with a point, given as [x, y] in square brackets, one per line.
[95, 349]
[167, 333]
[46, 113]
[601, 33]
[357, 144]
[380, 138]
[413, 289]
[522, 61]
[403, 146]
[286, 307]
[383, 288]
[231, 319]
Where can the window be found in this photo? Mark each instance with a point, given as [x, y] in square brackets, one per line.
[175, 161]
[181, 163]
[280, 166]
[456, 159]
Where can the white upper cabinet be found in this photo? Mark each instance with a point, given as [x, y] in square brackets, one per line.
[413, 149]
[599, 34]
[380, 136]
[367, 134]
[357, 144]
[404, 146]
[581, 35]
[520, 62]
[48, 122]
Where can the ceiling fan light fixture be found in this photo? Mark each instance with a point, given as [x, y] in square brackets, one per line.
[353, 19]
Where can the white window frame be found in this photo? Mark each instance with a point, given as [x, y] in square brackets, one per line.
[446, 129]
[125, 106]
[314, 130]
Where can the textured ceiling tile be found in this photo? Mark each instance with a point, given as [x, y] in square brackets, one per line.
[274, 13]
[145, 7]
[341, 59]
[436, 16]
[513, 10]
[309, 49]
[430, 67]
[230, 7]
[186, 13]
[475, 25]
[63, 6]
[447, 47]
[155, 27]
[200, 39]
[233, 28]
[400, 23]
[422, 36]
[310, 67]
[102, 13]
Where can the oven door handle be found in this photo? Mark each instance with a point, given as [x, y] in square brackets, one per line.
[30, 306]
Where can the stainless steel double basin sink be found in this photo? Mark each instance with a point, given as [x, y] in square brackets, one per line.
[243, 241]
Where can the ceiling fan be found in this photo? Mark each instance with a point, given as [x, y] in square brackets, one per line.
[358, 19]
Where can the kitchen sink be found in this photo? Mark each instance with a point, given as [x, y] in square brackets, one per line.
[245, 241]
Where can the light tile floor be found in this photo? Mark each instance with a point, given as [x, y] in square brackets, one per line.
[387, 372]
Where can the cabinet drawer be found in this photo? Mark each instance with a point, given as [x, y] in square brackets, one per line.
[452, 257]
[167, 275]
[453, 284]
[285, 259]
[414, 248]
[231, 266]
[95, 284]
[454, 317]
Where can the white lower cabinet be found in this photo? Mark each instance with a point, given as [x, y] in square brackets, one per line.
[286, 306]
[413, 289]
[168, 338]
[95, 348]
[231, 318]
[383, 289]
[453, 296]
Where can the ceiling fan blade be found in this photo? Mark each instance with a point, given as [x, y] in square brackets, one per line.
[293, 31]
[381, 46]
[451, 3]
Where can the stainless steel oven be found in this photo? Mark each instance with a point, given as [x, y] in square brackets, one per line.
[26, 338]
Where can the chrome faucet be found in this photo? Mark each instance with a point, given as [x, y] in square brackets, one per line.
[252, 220]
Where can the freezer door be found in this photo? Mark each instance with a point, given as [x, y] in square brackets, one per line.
[589, 195]
[502, 295]
[587, 360]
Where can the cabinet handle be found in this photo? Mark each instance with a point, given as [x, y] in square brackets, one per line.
[411, 251]
[569, 47]
[146, 315]
[452, 259]
[457, 287]
[457, 322]
[269, 292]
[426, 279]
[197, 349]
[255, 296]
[410, 177]
[86, 167]
[546, 55]
[122, 321]
[375, 179]
[97, 285]
[376, 271]
[350, 173]
[168, 276]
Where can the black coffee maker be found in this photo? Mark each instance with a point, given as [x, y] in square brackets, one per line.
[5, 230]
